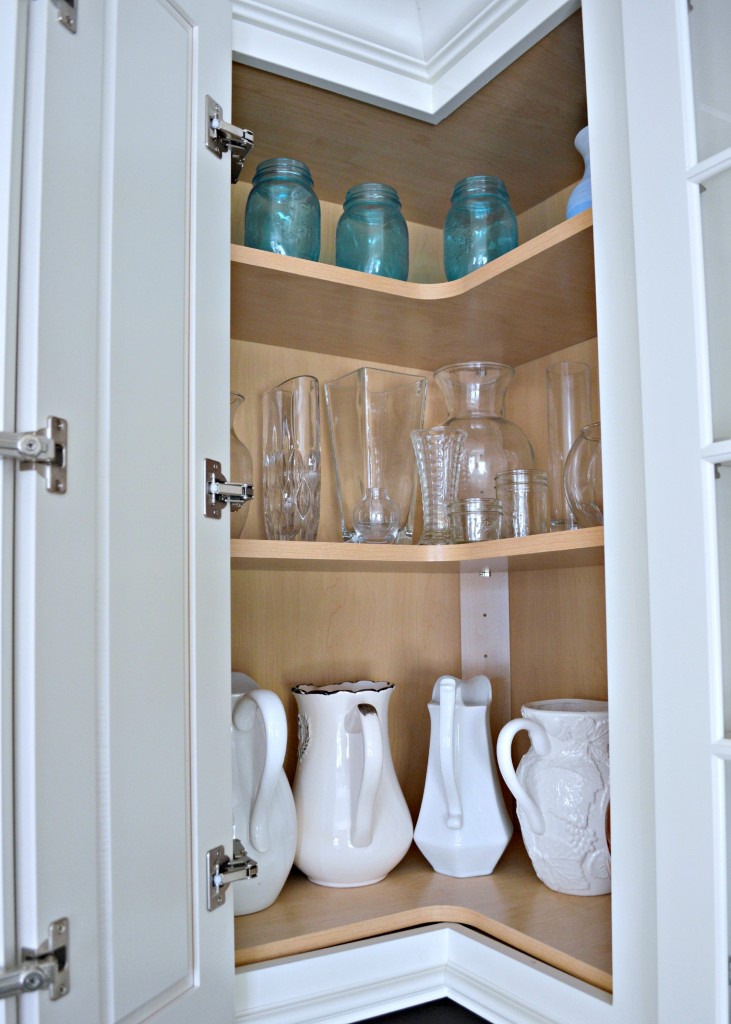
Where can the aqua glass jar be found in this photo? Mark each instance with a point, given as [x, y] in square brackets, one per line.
[282, 211]
[480, 225]
[372, 235]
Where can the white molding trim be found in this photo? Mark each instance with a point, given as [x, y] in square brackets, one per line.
[383, 61]
[380, 975]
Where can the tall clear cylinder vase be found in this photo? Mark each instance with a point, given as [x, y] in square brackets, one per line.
[569, 409]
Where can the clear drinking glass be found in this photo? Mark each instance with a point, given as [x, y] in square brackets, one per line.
[569, 409]
[438, 457]
[292, 460]
[524, 497]
[583, 477]
[371, 414]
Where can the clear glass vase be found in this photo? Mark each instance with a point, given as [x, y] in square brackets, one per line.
[438, 454]
[583, 477]
[242, 467]
[475, 397]
[371, 414]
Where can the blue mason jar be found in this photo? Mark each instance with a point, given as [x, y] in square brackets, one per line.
[480, 225]
[282, 211]
[372, 235]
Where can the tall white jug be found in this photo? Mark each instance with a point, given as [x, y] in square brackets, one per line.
[264, 817]
[353, 824]
[463, 826]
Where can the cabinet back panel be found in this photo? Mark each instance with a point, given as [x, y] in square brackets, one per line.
[312, 627]
[520, 127]
[558, 635]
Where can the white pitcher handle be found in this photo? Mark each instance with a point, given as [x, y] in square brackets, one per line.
[447, 700]
[541, 744]
[361, 833]
[275, 726]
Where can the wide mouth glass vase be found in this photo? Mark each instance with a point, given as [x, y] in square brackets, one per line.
[371, 414]
[475, 396]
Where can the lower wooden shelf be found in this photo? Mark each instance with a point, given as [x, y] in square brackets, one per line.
[567, 549]
[571, 933]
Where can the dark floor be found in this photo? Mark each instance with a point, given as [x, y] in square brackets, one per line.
[442, 1011]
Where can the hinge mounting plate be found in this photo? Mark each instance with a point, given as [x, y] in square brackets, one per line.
[221, 870]
[222, 137]
[44, 968]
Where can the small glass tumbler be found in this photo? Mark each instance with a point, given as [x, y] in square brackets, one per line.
[438, 455]
[282, 211]
[473, 519]
[524, 497]
[372, 235]
[292, 460]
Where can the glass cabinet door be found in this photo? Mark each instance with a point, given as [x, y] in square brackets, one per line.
[709, 145]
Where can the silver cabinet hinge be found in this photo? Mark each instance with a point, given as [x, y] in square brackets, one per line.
[221, 870]
[66, 13]
[222, 137]
[44, 968]
[43, 450]
[220, 493]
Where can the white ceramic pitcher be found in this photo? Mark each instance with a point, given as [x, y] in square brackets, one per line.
[353, 822]
[263, 808]
[463, 826]
[562, 790]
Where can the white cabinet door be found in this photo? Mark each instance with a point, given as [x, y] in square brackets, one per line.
[122, 609]
[679, 108]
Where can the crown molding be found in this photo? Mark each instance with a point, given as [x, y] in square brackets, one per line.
[377, 52]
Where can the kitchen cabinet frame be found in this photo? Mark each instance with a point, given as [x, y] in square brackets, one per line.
[530, 984]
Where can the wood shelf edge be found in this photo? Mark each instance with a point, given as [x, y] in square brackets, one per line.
[436, 899]
[570, 548]
[242, 255]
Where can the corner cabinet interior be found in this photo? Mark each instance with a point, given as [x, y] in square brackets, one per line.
[327, 611]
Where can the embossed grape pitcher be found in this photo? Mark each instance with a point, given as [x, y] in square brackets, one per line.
[463, 827]
[562, 790]
[353, 824]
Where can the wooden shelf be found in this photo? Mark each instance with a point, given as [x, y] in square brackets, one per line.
[534, 300]
[571, 933]
[568, 549]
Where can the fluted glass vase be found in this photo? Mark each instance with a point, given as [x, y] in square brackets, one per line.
[438, 456]
[475, 397]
